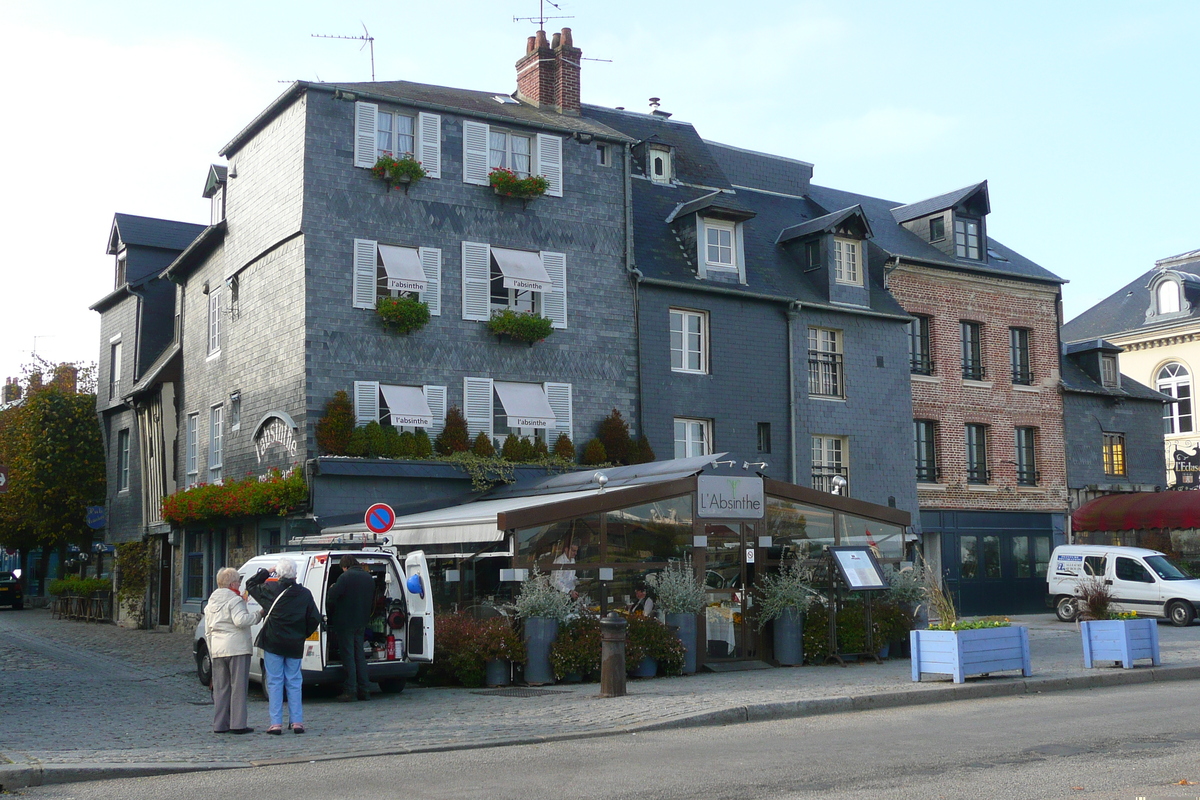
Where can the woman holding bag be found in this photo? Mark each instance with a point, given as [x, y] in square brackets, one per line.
[291, 617]
[227, 623]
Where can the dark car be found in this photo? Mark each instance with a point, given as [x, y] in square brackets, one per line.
[11, 593]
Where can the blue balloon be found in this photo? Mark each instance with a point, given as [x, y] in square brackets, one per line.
[415, 586]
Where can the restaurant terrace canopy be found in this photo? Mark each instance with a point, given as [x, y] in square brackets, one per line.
[1139, 511]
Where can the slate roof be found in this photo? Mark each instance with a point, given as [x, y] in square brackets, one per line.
[1074, 379]
[939, 203]
[694, 163]
[1124, 311]
[165, 234]
[823, 224]
[715, 200]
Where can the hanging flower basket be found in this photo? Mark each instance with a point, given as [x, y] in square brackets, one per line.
[506, 183]
[522, 326]
[398, 171]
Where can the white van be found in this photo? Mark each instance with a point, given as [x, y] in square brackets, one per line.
[1141, 580]
[400, 633]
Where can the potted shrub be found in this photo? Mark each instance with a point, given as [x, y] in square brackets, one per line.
[649, 645]
[1110, 635]
[541, 607]
[784, 596]
[680, 596]
[965, 647]
[505, 182]
[500, 647]
[576, 652]
[907, 591]
[402, 314]
[521, 326]
[398, 171]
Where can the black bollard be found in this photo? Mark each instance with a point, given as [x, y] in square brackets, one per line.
[612, 655]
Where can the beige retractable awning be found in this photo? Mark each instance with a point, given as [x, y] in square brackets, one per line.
[525, 404]
[522, 269]
[403, 268]
[407, 406]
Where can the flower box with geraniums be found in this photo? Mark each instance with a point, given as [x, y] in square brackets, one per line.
[507, 183]
[521, 326]
[649, 646]
[402, 314]
[398, 171]
[271, 494]
[1112, 635]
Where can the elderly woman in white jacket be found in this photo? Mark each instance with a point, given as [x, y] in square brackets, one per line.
[227, 623]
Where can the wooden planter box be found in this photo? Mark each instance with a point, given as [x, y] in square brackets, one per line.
[1120, 640]
[971, 652]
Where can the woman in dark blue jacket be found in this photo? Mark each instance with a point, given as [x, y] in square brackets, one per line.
[291, 617]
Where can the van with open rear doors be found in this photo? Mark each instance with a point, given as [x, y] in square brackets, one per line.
[399, 637]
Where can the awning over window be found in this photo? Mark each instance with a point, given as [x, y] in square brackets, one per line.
[407, 405]
[525, 404]
[1139, 511]
[403, 267]
[522, 270]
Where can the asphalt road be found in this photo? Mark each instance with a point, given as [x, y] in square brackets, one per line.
[1119, 743]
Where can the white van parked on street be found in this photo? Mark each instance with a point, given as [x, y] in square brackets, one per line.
[1141, 580]
[400, 634]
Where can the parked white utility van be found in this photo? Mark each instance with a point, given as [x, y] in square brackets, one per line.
[1141, 580]
[400, 632]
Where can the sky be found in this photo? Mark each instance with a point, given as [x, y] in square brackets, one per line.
[1082, 116]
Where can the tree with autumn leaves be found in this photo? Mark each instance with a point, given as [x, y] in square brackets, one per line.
[50, 441]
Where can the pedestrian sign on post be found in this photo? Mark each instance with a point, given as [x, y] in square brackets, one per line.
[380, 518]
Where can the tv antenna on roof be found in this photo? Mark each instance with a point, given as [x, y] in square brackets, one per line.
[541, 18]
[366, 39]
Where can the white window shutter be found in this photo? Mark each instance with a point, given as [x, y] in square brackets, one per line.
[365, 275]
[477, 402]
[435, 396]
[365, 115]
[431, 262]
[559, 397]
[554, 302]
[476, 274]
[429, 143]
[549, 156]
[366, 402]
[475, 152]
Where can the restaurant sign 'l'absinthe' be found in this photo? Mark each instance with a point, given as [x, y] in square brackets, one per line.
[730, 498]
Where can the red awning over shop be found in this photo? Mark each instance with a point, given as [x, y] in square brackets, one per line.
[1139, 511]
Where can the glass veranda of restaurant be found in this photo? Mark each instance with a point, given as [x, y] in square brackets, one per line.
[602, 545]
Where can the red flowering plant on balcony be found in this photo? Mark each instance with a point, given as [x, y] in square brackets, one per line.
[397, 171]
[508, 183]
[273, 494]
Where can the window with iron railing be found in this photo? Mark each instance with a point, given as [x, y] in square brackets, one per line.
[1027, 474]
[926, 450]
[919, 359]
[824, 363]
[977, 456]
[1022, 368]
[828, 461]
[972, 351]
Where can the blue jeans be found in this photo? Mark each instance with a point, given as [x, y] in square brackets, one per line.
[283, 672]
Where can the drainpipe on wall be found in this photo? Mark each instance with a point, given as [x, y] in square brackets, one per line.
[887, 271]
[793, 313]
[635, 277]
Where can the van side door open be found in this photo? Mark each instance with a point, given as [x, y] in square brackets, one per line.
[1134, 588]
[419, 596]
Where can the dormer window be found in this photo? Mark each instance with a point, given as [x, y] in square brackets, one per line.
[719, 245]
[120, 276]
[1108, 372]
[937, 229]
[966, 238]
[658, 164]
[217, 212]
[847, 267]
[812, 254]
[1167, 297]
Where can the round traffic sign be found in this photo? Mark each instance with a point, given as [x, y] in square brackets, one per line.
[380, 518]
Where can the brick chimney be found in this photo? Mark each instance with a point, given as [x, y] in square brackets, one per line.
[12, 390]
[548, 74]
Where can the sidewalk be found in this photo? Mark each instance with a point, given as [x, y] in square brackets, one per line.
[85, 701]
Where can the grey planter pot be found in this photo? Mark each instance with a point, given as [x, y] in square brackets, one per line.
[789, 637]
[540, 633]
[497, 672]
[685, 628]
[646, 668]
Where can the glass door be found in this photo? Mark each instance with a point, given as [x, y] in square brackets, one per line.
[722, 561]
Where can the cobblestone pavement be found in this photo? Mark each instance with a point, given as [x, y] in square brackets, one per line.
[83, 694]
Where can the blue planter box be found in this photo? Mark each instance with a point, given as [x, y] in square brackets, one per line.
[1120, 640]
[972, 652]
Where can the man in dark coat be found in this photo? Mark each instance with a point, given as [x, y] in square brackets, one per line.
[350, 602]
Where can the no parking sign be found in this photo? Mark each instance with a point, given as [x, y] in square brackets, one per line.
[380, 518]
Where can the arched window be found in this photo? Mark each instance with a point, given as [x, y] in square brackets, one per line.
[1168, 298]
[1173, 379]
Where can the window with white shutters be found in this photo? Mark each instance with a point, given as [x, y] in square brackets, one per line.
[435, 396]
[549, 162]
[486, 148]
[371, 276]
[559, 396]
[365, 133]
[401, 135]
[475, 152]
[214, 321]
[369, 406]
[366, 402]
[429, 144]
[485, 289]
[477, 405]
[485, 410]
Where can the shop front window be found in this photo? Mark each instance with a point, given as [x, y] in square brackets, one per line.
[549, 547]
[887, 541]
[654, 532]
[804, 529]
